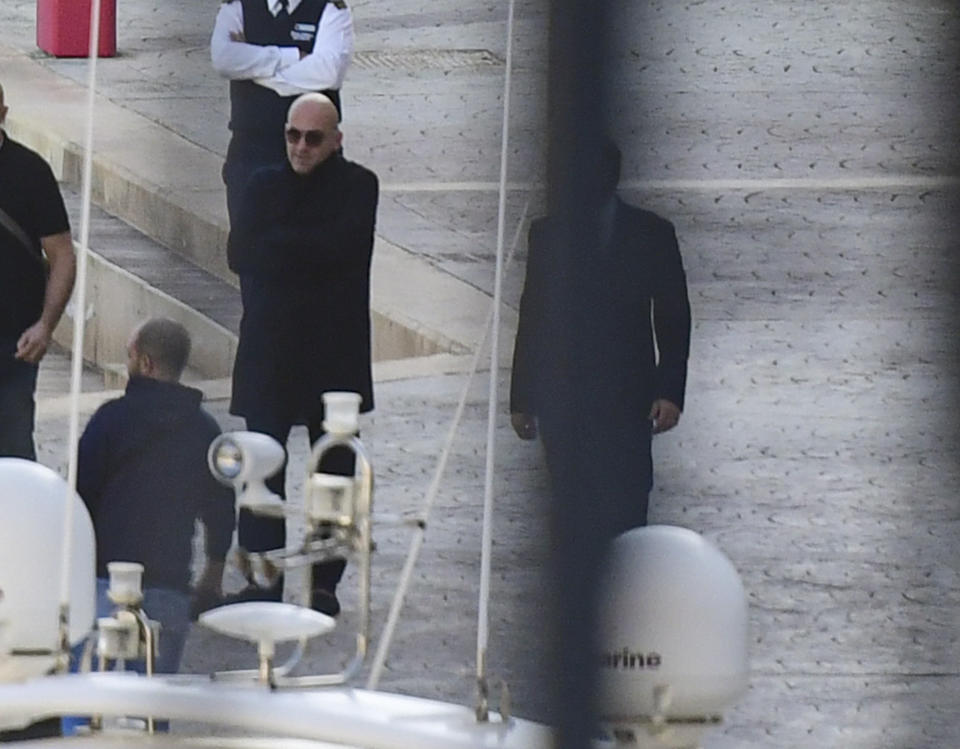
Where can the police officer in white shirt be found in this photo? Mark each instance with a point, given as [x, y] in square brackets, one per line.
[272, 51]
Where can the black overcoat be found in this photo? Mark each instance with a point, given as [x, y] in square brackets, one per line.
[302, 247]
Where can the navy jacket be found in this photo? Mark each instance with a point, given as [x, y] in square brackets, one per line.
[142, 472]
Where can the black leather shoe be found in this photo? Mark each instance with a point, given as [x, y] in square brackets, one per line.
[325, 602]
[255, 593]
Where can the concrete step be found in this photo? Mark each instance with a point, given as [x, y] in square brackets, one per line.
[131, 278]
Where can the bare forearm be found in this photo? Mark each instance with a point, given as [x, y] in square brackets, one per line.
[63, 271]
[33, 342]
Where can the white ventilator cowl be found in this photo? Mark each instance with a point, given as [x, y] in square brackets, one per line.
[341, 411]
[32, 512]
[673, 628]
[126, 583]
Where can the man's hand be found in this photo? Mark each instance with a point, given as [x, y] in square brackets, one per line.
[237, 36]
[525, 425]
[664, 414]
[33, 343]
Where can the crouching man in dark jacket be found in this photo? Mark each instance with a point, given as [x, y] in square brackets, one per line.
[142, 472]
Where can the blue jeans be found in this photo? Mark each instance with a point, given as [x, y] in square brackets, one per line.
[18, 381]
[169, 607]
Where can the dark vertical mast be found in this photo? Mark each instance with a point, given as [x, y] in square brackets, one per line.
[578, 92]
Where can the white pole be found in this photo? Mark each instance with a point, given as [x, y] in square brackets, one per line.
[483, 615]
[416, 543]
[79, 318]
[492, 323]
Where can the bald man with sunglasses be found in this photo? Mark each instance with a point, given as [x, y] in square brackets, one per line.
[302, 244]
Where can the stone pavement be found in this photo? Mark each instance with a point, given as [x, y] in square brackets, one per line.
[806, 156]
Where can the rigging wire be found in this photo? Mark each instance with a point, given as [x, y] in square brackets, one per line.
[79, 316]
[486, 543]
[490, 329]
[406, 574]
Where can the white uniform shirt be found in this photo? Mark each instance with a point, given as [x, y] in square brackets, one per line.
[280, 68]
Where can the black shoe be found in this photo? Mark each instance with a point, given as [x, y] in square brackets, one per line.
[325, 602]
[255, 593]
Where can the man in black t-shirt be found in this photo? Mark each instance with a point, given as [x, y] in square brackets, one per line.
[33, 225]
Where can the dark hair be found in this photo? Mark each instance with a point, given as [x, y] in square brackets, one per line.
[167, 343]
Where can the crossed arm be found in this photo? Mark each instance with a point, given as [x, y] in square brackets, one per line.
[285, 69]
[271, 235]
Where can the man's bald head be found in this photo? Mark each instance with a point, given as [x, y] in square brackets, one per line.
[315, 103]
[312, 132]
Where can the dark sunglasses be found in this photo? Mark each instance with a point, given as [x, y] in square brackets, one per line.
[312, 138]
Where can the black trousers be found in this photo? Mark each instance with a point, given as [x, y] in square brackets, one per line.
[18, 381]
[260, 533]
[602, 470]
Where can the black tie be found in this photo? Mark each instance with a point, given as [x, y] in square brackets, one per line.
[283, 12]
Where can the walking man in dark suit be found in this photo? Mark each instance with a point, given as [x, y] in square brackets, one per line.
[302, 245]
[600, 359]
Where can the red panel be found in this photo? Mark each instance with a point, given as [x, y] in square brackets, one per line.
[63, 27]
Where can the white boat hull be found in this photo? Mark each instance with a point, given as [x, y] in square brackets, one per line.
[340, 716]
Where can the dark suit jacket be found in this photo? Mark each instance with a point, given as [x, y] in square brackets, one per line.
[587, 345]
[302, 247]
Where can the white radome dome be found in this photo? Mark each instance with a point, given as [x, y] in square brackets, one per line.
[32, 503]
[672, 627]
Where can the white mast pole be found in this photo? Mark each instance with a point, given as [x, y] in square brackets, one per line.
[492, 322]
[423, 517]
[79, 319]
[483, 615]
